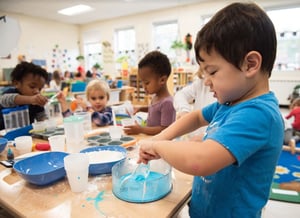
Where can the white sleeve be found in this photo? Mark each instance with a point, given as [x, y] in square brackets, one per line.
[185, 97]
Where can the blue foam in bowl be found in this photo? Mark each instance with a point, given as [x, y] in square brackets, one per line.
[157, 185]
[3, 143]
[42, 169]
[104, 168]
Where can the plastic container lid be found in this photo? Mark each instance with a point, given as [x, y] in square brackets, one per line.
[6, 111]
[73, 119]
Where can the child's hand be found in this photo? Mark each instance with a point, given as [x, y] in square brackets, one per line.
[135, 110]
[132, 129]
[81, 103]
[147, 151]
[61, 97]
[39, 100]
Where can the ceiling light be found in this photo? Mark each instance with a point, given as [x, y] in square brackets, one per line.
[77, 9]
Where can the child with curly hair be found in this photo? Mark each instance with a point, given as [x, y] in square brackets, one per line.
[154, 70]
[28, 80]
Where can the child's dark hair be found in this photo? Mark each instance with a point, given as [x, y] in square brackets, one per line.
[236, 30]
[25, 68]
[158, 62]
[295, 103]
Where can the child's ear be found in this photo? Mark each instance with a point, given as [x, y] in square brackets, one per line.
[252, 63]
[163, 79]
[15, 83]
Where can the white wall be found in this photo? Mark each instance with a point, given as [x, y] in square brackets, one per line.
[39, 37]
[38, 40]
[189, 19]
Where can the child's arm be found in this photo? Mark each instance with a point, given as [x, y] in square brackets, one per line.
[137, 129]
[14, 99]
[191, 122]
[140, 109]
[190, 157]
[289, 115]
[37, 99]
[63, 103]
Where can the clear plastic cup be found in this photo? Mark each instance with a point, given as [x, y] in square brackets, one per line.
[23, 144]
[77, 170]
[57, 142]
[87, 120]
[115, 132]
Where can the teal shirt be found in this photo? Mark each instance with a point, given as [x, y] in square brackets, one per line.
[253, 132]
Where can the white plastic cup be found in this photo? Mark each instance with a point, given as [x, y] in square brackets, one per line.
[57, 142]
[23, 144]
[77, 170]
[74, 133]
[127, 122]
[87, 120]
[50, 124]
[115, 132]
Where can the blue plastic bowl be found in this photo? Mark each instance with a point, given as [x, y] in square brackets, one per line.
[105, 167]
[3, 143]
[42, 169]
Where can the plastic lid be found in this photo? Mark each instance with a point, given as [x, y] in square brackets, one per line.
[73, 119]
[24, 107]
[6, 111]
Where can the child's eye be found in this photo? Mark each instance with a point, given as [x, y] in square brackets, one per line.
[212, 73]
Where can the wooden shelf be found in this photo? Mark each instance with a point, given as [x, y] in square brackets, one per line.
[139, 95]
[181, 79]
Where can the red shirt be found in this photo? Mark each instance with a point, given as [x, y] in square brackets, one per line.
[296, 114]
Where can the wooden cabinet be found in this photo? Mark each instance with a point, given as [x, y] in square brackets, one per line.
[181, 78]
[177, 80]
[139, 95]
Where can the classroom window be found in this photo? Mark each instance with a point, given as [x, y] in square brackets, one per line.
[125, 45]
[92, 54]
[164, 34]
[288, 38]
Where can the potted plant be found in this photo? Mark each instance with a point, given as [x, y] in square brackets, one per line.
[97, 66]
[178, 46]
[80, 58]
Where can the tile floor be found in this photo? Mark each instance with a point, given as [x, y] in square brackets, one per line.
[273, 209]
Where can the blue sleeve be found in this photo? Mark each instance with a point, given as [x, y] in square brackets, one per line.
[244, 130]
[209, 111]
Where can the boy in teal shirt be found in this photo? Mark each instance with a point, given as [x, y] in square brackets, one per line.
[235, 163]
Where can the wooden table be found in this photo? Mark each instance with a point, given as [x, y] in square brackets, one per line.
[26, 200]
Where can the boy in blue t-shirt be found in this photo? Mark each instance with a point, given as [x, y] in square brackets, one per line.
[235, 163]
